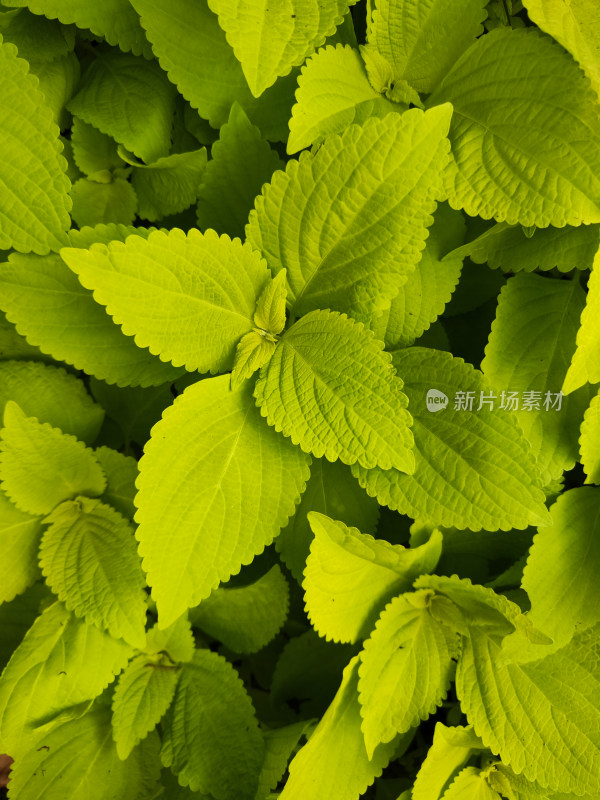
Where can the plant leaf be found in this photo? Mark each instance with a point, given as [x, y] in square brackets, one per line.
[368, 219]
[133, 408]
[350, 576]
[49, 306]
[35, 211]
[280, 744]
[405, 670]
[241, 162]
[130, 99]
[332, 490]
[507, 247]
[333, 92]
[169, 185]
[20, 534]
[450, 750]
[61, 662]
[188, 298]
[329, 387]
[471, 784]
[96, 203]
[52, 395]
[589, 441]
[270, 307]
[541, 717]
[226, 489]
[40, 466]
[334, 761]
[193, 51]
[268, 40]
[89, 558]
[245, 618]
[177, 640]
[474, 469]
[585, 366]
[428, 289]
[575, 25]
[120, 472]
[77, 758]
[93, 151]
[561, 575]
[211, 738]
[113, 20]
[529, 350]
[518, 99]
[422, 39]
[144, 692]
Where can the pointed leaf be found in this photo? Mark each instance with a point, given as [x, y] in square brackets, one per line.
[518, 98]
[113, 20]
[40, 466]
[77, 758]
[471, 784]
[280, 743]
[474, 469]
[450, 750]
[89, 558]
[193, 51]
[35, 210]
[270, 308]
[61, 662]
[188, 298]
[575, 25]
[220, 478]
[333, 92]
[169, 185]
[405, 670]
[245, 618]
[52, 395]
[334, 761]
[422, 39]
[541, 717]
[368, 219]
[253, 352]
[329, 387]
[428, 289]
[144, 692]
[211, 738]
[331, 490]
[350, 576]
[130, 99]
[20, 535]
[585, 365]
[507, 247]
[561, 576]
[529, 351]
[589, 441]
[270, 40]
[241, 162]
[177, 641]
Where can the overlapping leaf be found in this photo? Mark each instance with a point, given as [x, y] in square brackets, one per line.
[120, 472]
[188, 298]
[211, 737]
[589, 441]
[20, 534]
[169, 185]
[193, 51]
[561, 576]
[366, 197]
[585, 364]
[40, 466]
[405, 670]
[241, 162]
[529, 351]
[89, 558]
[35, 209]
[474, 468]
[103, 202]
[422, 39]
[333, 92]
[223, 480]
[522, 107]
[329, 387]
[245, 618]
[450, 750]
[61, 662]
[269, 39]
[350, 576]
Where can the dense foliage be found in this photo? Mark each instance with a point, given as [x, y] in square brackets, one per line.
[299, 332]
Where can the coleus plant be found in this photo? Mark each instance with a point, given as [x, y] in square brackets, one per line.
[323, 578]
